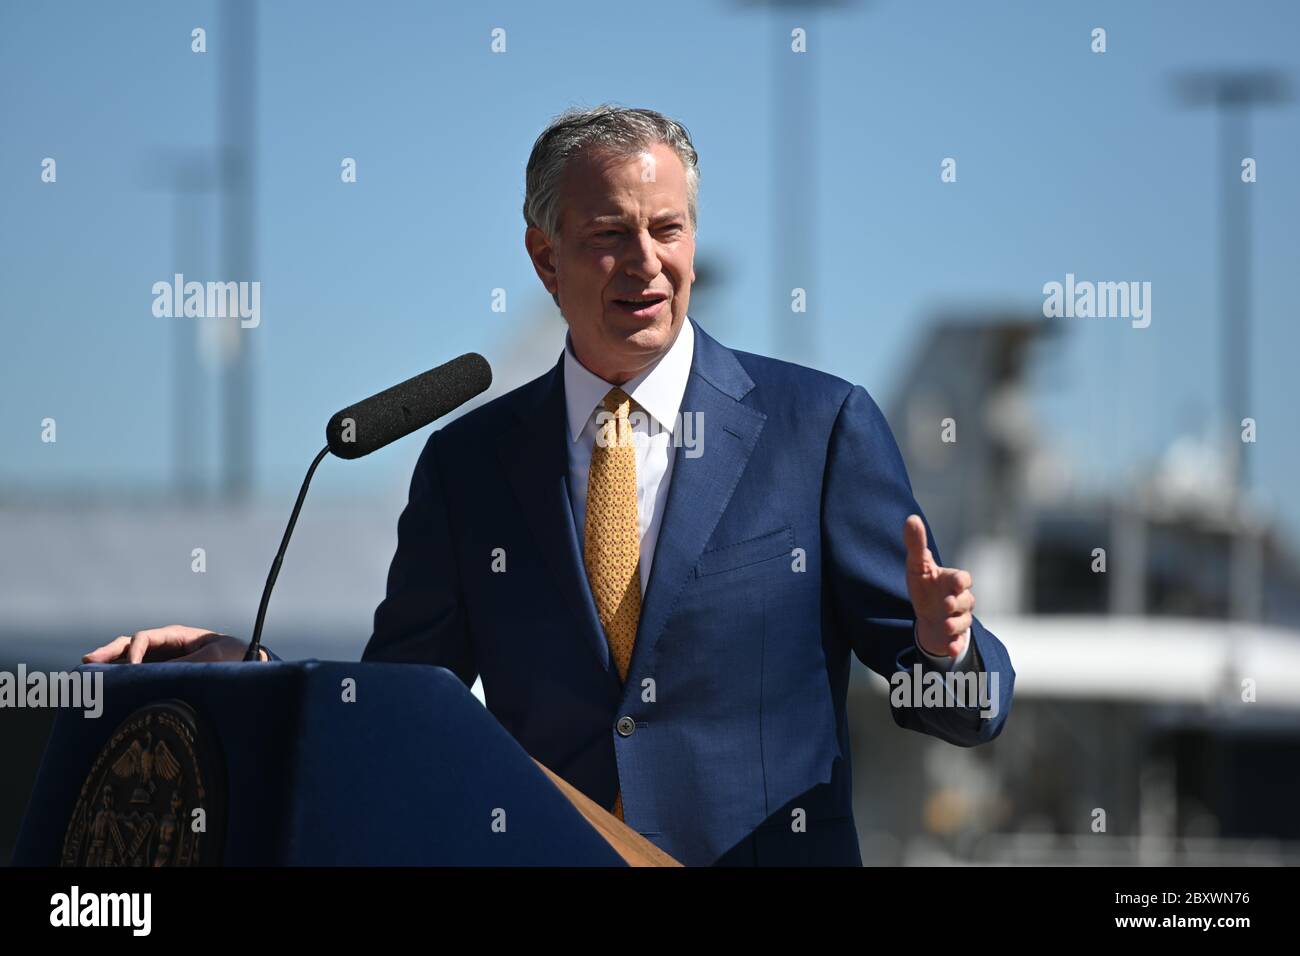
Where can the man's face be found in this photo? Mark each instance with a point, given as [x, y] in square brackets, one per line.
[624, 234]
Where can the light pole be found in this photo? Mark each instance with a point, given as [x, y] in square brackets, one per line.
[794, 102]
[1232, 94]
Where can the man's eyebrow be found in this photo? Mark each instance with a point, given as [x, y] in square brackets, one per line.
[658, 217]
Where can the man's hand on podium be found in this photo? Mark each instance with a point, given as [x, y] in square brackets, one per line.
[176, 643]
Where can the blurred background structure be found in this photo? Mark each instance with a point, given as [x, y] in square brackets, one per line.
[823, 173]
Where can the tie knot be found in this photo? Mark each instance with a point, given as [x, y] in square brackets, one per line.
[618, 403]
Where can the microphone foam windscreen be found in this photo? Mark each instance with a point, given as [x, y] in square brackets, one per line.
[396, 412]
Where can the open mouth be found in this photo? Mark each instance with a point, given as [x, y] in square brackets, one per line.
[643, 307]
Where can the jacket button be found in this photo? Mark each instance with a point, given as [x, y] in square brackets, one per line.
[625, 726]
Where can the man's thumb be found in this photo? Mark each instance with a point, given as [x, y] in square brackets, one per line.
[914, 537]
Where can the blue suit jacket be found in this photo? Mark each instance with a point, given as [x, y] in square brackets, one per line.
[736, 690]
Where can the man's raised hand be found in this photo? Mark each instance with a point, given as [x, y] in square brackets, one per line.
[941, 597]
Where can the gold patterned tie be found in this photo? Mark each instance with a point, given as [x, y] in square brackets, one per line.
[612, 539]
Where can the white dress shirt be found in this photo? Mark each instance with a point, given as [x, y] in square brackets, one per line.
[657, 391]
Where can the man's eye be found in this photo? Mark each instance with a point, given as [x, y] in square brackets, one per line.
[608, 232]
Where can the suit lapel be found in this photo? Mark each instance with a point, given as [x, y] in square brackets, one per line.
[535, 456]
[700, 487]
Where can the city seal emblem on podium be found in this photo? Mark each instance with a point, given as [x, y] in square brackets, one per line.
[155, 795]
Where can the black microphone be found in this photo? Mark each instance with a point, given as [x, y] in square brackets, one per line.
[378, 421]
[396, 412]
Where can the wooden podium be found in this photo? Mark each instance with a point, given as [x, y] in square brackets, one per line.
[627, 843]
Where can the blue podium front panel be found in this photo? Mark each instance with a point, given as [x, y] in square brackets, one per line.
[301, 763]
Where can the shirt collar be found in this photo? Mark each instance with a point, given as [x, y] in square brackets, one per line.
[659, 389]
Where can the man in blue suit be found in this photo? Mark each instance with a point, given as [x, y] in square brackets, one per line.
[766, 535]
[659, 555]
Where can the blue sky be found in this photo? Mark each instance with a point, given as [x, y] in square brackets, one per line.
[1068, 161]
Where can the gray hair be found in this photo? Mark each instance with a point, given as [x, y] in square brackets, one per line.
[624, 131]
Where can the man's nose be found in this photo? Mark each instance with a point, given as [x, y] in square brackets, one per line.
[643, 257]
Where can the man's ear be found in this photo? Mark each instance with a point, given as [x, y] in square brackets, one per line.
[542, 254]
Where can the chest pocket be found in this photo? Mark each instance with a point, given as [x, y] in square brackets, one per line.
[744, 553]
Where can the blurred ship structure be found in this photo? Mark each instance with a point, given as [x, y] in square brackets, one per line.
[1157, 701]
